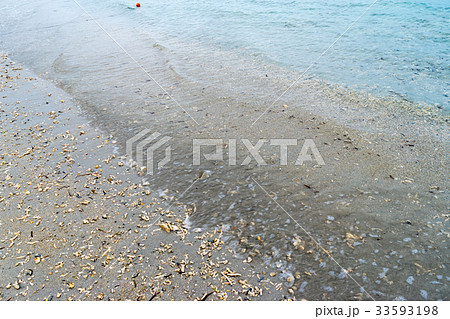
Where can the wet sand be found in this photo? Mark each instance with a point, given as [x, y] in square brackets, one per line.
[77, 223]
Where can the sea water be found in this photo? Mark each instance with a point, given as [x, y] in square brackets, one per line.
[395, 47]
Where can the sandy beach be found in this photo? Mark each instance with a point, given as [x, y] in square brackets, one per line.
[79, 224]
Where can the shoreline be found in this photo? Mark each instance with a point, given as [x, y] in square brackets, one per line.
[265, 276]
[70, 206]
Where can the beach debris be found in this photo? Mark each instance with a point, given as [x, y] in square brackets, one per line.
[167, 226]
[16, 285]
[350, 239]
[177, 226]
[154, 296]
[205, 296]
[250, 290]
[59, 265]
[144, 217]
[203, 175]
[298, 243]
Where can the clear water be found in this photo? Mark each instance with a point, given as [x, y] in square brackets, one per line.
[397, 48]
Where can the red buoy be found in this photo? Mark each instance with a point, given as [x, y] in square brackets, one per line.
[138, 5]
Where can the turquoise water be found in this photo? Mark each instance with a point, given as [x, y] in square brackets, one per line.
[397, 48]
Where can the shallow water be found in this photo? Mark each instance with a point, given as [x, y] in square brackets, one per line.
[224, 77]
[397, 48]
